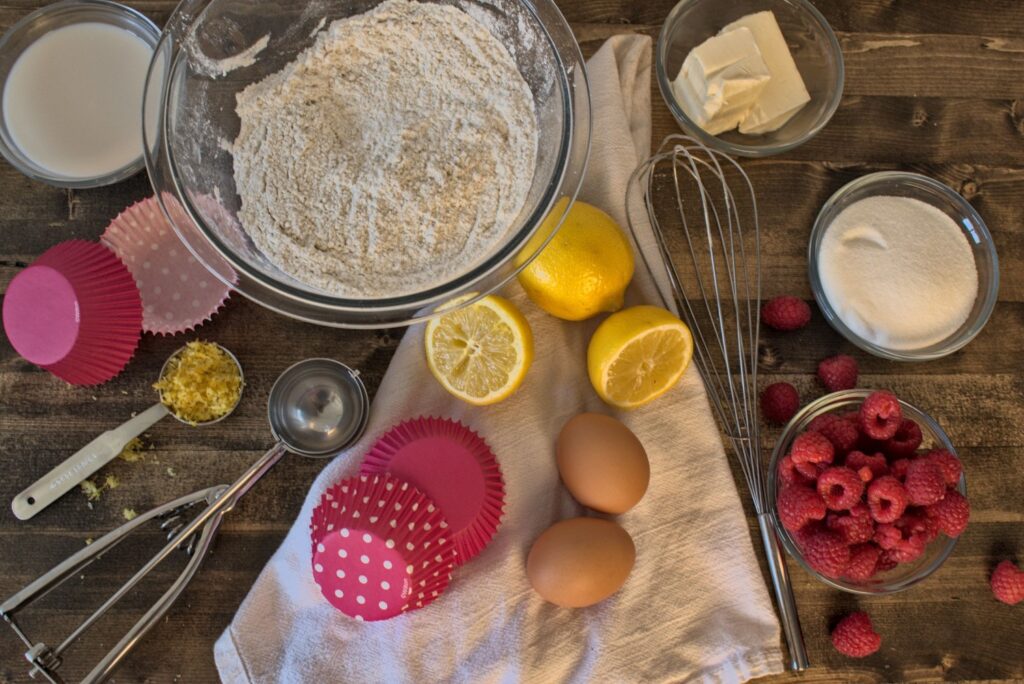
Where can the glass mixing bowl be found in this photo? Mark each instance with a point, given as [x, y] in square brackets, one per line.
[191, 169]
[903, 576]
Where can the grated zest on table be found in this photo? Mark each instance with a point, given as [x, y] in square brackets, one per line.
[202, 383]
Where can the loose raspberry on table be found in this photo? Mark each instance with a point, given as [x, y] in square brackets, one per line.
[880, 415]
[950, 464]
[925, 483]
[789, 474]
[1007, 583]
[779, 402]
[887, 499]
[906, 440]
[887, 536]
[857, 527]
[878, 466]
[951, 513]
[842, 433]
[898, 468]
[812, 447]
[786, 313]
[838, 372]
[863, 559]
[854, 636]
[840, 488]
[827, 552]
[798, 505]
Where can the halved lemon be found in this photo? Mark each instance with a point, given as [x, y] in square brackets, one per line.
[638, 354]
[480, 353]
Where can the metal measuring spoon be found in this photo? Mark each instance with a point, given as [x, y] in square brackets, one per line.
[102, 450]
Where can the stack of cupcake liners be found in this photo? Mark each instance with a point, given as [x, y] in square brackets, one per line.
[429, 497]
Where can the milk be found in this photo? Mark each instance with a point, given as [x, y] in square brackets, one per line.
[73, 99]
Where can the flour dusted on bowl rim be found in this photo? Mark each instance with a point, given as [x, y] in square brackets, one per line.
[391, 156]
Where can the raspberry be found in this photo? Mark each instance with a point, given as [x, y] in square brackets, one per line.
[812, 447]
[857, 527]
[887, 536]
[887, 499]
[898, 468]
[880, 415]
[855, 637]
[842, 433]
[951, 513]
[906, 440]
[827, 552]
[863, 559]
[877, 465]
[917, 523]
[950, 464]
[908, 550]
[797, 505]
[925, 483]
[779, 402]
[810, 471]
[1007, 583]
[840, 488]
[885, 562]
[838, 372]
[789, 474]
[786, 313]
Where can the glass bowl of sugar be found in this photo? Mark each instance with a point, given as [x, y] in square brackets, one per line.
[72, 76]
[903, 266]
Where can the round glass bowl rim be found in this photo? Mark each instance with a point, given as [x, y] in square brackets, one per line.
[881, 179]
[833, 402]
[570, 82]
[729, 147]
[65, 7]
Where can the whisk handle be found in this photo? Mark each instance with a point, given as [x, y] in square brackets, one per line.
[783, 594]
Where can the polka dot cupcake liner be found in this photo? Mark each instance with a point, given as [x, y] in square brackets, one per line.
[380, 547]
[178, 292]
[453, 466]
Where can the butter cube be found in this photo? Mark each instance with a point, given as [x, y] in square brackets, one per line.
[785, 93]
[721, 80]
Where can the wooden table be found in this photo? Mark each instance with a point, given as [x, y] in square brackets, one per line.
[932, 85]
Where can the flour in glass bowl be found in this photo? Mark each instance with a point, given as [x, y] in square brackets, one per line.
[390, 156]
[898, 272]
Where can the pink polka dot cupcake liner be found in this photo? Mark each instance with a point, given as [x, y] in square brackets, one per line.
[178, 292]
[381, 547]
[452, 465]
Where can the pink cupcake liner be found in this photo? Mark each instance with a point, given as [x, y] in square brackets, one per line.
[178, 292]
[75, 312]
[380, 547]
[454, 467]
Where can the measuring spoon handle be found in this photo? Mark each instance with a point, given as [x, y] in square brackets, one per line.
[83, 463]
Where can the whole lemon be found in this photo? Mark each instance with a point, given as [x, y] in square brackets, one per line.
[585, 268]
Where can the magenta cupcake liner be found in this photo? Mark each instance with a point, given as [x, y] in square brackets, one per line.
[380, 547]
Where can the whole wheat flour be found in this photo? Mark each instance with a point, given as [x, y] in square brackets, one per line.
[390, 156]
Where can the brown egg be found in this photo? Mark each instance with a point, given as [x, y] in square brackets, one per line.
[580, 561]
[602, 463]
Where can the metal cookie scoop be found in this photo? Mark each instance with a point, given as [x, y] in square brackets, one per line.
[100, 451]
[316, 408]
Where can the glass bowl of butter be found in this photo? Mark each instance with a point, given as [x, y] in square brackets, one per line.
[750, 78]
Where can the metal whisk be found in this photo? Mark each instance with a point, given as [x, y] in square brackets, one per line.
[684, 192]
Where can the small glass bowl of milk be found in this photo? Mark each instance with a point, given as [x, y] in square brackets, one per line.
[72, 77]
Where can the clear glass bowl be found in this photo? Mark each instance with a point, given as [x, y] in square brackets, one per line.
[916, 186]
[34, 26]
[811, 41]
[193, 176]
[904, 575]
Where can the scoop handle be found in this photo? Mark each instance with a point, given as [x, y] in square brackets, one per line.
[83, 463]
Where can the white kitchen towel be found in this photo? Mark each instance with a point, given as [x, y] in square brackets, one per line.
[695, 607]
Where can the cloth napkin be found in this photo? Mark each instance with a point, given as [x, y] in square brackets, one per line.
[695, 607]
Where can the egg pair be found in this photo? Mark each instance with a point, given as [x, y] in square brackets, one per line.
[582, 561]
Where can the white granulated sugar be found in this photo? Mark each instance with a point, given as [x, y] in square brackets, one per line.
[390, 156]
[898, 272]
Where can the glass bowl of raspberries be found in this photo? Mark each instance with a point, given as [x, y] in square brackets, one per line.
[867, 492]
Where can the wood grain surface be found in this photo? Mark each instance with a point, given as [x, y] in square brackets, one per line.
[935, 86]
